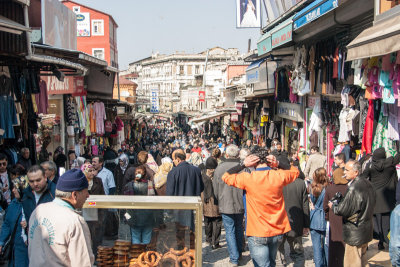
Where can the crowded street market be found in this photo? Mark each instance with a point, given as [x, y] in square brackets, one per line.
[286, 154]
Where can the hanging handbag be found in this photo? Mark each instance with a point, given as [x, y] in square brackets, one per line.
[6, 251]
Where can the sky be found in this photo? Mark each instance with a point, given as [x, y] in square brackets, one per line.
[176, 25]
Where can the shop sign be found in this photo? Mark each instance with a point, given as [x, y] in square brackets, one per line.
[154, 101]
[264, 45]
[290, 111]
[83, 24]
[314, 11]
[79, 86]
[282, 36]
[252, 76]
[202, 96]
[70, 85]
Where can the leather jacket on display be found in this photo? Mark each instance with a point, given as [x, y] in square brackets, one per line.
[357, 209]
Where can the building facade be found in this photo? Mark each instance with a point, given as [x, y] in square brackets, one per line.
[180, 78]
[96, 32]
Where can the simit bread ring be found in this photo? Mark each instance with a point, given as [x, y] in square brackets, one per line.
[178, 252]
[185, 261]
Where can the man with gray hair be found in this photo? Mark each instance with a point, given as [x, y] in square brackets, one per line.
[50, 171]
[58, 234]
[230, 203]
[357, 210]
[24, 158]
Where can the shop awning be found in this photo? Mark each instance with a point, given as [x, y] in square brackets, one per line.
[8, 25]
[381, 39]
[255, 64]
[313, 11]
[208, 117]
[59, 62]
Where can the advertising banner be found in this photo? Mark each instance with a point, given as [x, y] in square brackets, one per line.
[202, 96]
[83, 24]
[58, 25]
[154, 101]
[70, 85]
[248, 14]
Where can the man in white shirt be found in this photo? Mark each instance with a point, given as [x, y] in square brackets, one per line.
[106, 175]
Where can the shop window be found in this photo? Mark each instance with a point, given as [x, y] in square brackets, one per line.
[98, 52]
[98, 27]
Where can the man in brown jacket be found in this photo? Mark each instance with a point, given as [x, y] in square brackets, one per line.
[315, 161]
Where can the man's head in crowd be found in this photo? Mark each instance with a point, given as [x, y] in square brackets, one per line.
[3, 163]
[37, 179]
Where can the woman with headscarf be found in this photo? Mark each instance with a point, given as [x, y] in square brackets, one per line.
[160, 178]
[381, 171]
[151, 163]
[95, 188]
[336, 244]
[119, 173]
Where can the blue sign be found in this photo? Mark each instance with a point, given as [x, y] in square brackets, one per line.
[154, 102]
[313, 11]
[252, 76]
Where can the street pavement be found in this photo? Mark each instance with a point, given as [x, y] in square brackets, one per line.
[220, 257]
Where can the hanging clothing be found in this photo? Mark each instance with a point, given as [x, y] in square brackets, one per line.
[393, 124]
[42, 99]
[368, 129]
[100, 117]
[92, 117]
[381, 134]
[8, 116]
[316, 120]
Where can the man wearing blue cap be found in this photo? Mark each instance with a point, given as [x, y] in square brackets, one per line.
[58, 235]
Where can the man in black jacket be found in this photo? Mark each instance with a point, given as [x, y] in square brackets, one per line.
[297, 209]
[357, 209]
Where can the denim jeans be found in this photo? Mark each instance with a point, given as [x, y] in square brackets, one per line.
[319, 248]
[141, 234]
[263, 250]
[233, 224]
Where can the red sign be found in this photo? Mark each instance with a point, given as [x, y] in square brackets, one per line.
[202, 96]
[70, 85]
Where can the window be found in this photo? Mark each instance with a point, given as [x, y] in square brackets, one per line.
[76, 9]
[98, 52]
[197, 69]
[181, 70]
[98, 27]
[189, 70]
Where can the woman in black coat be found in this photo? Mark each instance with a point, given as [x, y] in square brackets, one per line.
[381, 171]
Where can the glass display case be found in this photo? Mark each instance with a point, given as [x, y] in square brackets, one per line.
[145, 230]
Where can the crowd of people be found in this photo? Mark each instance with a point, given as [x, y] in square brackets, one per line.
[262, 197]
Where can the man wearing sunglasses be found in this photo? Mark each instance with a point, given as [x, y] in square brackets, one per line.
[5, 181]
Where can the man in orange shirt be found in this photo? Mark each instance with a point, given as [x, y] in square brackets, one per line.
[267, 220]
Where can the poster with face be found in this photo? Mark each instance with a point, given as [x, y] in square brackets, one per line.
[248, 14]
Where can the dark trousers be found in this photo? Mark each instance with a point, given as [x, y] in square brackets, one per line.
[382, 227]
[96, 233]
[213, 227]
